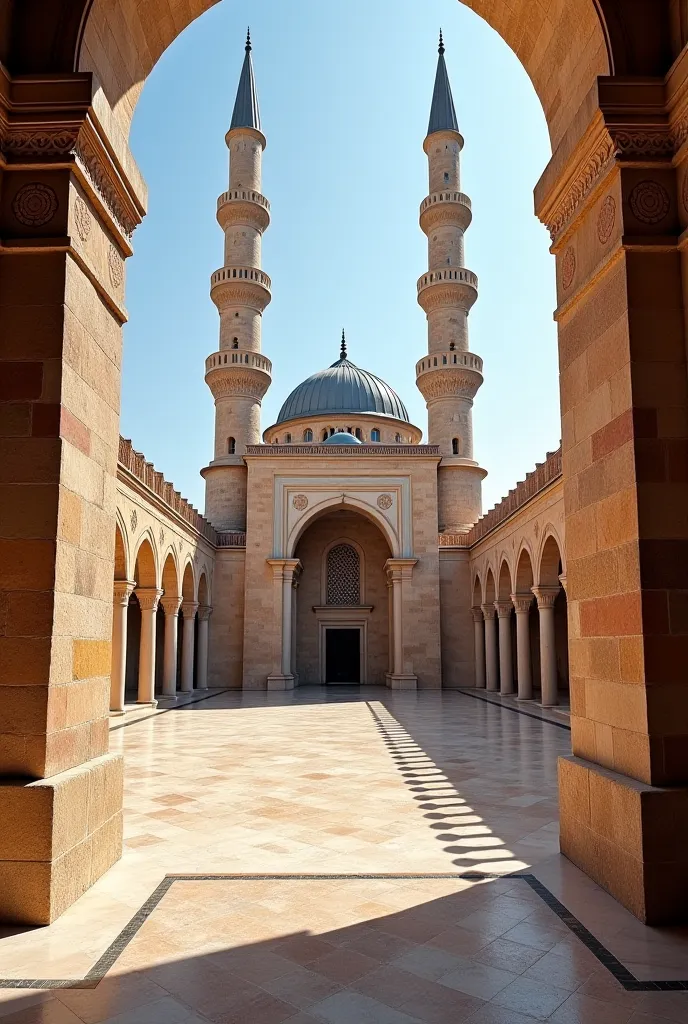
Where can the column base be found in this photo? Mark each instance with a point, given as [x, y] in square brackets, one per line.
[279, 682]
[401, 682]
[507, 693]
[117, 714]
[168, 698]
[146, 703]
[630, 838]
[59, 836]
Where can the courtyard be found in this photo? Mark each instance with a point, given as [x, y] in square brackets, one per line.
[342, 855]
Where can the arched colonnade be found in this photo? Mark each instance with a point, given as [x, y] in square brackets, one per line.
[160, 617]
[520, 622]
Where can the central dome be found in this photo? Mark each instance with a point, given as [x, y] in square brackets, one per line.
[343, 388]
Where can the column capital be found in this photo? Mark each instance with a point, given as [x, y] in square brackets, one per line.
[503, 609]
[399, 568]
[189, 609]
[204, 612]
[477, 613]
[546, 596]
[522, 603]
[148, 598]
[284, 568]
[171, 604]
[488, 610]
[122, 591]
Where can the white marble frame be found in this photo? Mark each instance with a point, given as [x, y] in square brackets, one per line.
[356, 492]
[343, 617]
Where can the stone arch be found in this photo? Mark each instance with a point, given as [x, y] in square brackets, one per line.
[524, 577]
[170, 582]
[504, 581]
[490, 588]
[551, 561]
[361, 566]
[121, 549]
[203, 589]
[348, 502]
[146, 565]
[477, 591]
[188, 582]
[564, 49]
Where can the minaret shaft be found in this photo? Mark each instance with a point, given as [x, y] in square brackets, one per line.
[237, 374]
[450, 375]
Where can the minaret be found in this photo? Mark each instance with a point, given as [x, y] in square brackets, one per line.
[238, 375]
[450, 375]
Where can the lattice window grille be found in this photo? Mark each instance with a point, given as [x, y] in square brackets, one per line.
[343, 575]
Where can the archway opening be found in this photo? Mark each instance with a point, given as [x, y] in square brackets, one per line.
[342, 611]
[550, 580]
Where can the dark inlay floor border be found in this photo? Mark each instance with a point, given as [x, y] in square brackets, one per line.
[173, 707]
[99, 970]
[516, 711]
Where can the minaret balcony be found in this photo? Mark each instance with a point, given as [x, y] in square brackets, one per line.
[447, 207]
[238, 372]
[243, 205]
[437, 360]
[452, 375]
[238, 357]
[240, 286]
[448, 286]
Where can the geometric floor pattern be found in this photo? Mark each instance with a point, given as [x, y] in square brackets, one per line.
[338, 786]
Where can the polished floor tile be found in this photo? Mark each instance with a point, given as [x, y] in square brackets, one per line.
[337, 786]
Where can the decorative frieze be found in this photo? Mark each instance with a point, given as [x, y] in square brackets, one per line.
[35, 204]
[649, 202]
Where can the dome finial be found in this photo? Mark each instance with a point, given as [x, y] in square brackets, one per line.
[342, 354]
[441, 46]
[248, 39]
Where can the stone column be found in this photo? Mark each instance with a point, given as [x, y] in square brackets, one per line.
[294, 615]
[204, 613]
[399, 574]
[169, 675]
[283, 574]
[546, 596]
[189, 609]
[522, 603]
[148, 602]
[479, 635]
[122, 592]
[506, 666]
[491, 661]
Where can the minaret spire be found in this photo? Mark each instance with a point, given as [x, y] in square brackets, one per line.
[442, 112]
[450, 375]
[246, 112]
[342, 354]
[237, 374]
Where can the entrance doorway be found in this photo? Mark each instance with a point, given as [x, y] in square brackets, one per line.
[342, 655]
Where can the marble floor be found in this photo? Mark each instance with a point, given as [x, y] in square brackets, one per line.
[342, 856]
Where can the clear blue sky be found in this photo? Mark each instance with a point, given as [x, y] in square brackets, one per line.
[345, 93]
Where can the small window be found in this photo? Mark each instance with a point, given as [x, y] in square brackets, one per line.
[308, 435]
[359, 435]
[374, 434]
[455, 446]
[231, 446]
[324, 437]
[446, 176]
[397, 438]
[287, 439]
[332, 431]
[235, 343]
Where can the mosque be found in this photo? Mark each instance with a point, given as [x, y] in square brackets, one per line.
[337, 546]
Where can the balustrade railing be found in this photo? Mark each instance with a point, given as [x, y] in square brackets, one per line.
[241, 274]
[243, 194]
[449, 358]
[448, 274]
[238, 357]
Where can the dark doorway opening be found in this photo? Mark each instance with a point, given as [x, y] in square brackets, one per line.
[342, 656]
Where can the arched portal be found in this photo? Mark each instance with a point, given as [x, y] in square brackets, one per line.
[554, 634]
[342, 620]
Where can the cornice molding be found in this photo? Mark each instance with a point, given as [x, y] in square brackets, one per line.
[51, 122]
